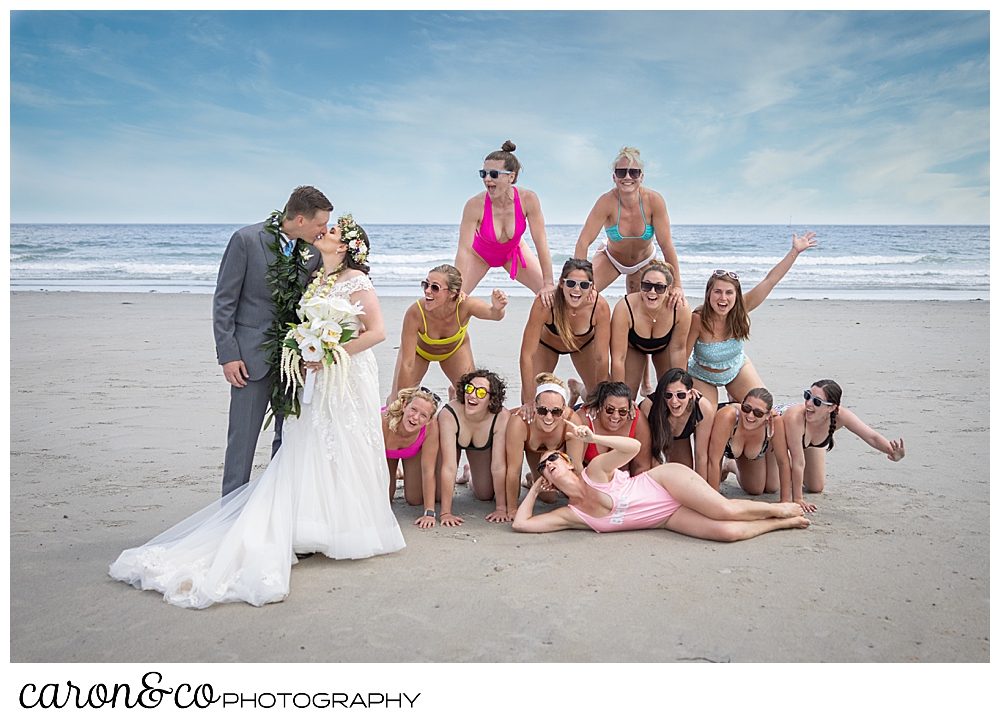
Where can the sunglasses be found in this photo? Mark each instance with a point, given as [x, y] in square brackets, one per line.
[622, 411]
[544, 412]
[723, 272]
[493, 174]
[747, 409]
[480, 392]
[551, 458]
[630, 172]
[680, 395]
[815, 400]
[433, 394]
[648, 286]
[573, 283]
[432, 286]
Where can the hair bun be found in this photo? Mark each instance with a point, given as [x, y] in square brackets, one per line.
[508, 146]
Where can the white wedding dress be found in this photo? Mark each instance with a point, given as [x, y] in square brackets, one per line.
[326, 490]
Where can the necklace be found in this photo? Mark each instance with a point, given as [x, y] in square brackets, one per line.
[650, 313]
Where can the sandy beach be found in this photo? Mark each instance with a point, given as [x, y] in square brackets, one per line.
[118, 422]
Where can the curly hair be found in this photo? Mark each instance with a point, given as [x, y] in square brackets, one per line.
[661, 436]
[833, 394]
[403, 399]
[498, 388]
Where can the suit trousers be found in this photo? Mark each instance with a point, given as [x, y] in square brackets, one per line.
[247, 407]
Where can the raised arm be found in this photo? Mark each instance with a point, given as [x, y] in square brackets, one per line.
[602, 467]
[891, 448]
[536, 223]
[494, 311]
[619, 341]
[755, 297]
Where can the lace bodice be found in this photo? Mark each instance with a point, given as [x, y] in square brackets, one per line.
[344, 289]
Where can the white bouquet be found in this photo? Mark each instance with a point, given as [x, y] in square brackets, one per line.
[325, 324]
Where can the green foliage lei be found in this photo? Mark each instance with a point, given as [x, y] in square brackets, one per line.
[284, 278]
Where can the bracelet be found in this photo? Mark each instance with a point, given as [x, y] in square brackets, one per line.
[430, 513]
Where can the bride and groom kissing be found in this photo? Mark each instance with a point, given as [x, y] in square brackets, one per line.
[324, 489]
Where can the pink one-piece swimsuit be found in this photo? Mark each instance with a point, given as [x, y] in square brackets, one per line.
[492, 251]
[407, 452]
[639, 503]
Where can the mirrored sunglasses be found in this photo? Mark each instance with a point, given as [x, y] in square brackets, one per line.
[480, 392]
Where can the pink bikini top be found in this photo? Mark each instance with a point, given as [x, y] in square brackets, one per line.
[407, 452]
[488, 234]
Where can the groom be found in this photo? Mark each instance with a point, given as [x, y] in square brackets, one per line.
[243, 312]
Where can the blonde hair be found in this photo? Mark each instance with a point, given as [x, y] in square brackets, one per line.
[403, 399]
[631, 154]
[549, 378]
[663, 267]
[452, 276]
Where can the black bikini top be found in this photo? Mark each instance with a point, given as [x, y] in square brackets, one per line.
[552, 325]
[651, 345]
[693, 420]
[470, 445]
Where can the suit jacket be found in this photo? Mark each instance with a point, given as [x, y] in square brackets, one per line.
[242, 311]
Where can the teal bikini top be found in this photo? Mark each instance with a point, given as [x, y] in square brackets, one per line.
[612, 231]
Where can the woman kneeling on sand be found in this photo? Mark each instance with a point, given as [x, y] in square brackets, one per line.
[475, 421]
[670, 497]
[435, 330]
[410, 433]
[809, 428]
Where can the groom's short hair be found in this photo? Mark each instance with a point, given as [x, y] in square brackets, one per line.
[306, 201]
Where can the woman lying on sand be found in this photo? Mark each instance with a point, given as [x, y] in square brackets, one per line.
[435, 330]
[809, 428]
[671, 497]
[410, 433]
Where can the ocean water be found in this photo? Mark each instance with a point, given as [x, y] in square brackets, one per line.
[851, 262]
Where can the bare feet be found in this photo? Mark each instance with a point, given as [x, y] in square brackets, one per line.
[576, 391]
[788, 509]
[465, 477]
[729, 468]
[646, 386]
[529, 479]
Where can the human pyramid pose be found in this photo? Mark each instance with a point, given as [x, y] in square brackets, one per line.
[296, 316]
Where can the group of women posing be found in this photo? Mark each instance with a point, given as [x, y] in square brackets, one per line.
[681, 421]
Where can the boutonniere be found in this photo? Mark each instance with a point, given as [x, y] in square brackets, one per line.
[306, 253]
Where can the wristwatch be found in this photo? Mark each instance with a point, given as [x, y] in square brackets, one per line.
[430, 513]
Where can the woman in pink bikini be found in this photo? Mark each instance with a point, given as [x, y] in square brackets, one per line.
[671, 497]
[493, 226]
[410, 433]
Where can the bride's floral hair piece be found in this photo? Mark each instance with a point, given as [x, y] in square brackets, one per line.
[355, 238]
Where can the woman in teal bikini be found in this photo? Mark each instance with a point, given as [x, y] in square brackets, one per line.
[631, 215]
[435, 329]
[721, 324]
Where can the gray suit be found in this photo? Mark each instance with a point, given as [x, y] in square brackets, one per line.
[242, 313]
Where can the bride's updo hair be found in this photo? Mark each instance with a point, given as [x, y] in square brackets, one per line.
[357, 242]
[395, 410]
[509, 160]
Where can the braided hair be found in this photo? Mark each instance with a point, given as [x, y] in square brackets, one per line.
[833, 393]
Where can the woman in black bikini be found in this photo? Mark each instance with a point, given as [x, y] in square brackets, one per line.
[545, 432]
[754, 438]
[578, 324]
[675, 412]
[644, 326]
[475, 421]
[809, 428]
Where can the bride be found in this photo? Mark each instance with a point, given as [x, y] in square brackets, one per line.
[324, 490]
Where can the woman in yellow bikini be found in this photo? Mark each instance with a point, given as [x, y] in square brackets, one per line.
[435, 329]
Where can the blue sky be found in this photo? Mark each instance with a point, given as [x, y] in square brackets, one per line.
[742, 117]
